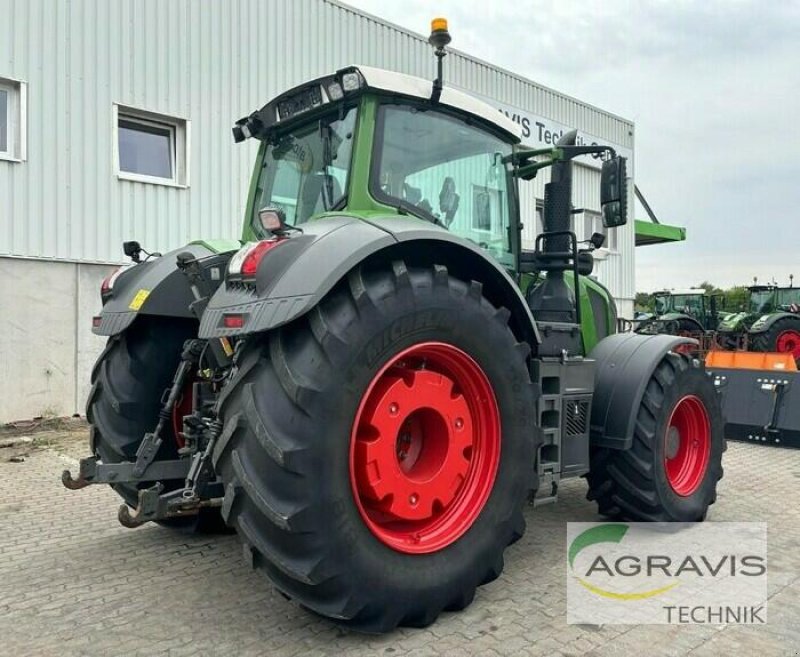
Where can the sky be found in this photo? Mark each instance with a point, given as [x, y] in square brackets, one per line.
[713, 89]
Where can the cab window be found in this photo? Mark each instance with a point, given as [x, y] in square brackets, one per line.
[442, 169]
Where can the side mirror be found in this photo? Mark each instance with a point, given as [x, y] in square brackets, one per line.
[614, 192]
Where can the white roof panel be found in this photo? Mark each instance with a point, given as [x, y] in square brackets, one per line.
[408, 85]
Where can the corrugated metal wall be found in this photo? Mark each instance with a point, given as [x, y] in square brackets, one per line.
[210, 62]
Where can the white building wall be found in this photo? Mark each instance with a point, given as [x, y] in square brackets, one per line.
[210, 62]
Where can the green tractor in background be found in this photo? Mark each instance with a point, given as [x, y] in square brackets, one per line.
[771, 322]
[689, 312]
[371, 384]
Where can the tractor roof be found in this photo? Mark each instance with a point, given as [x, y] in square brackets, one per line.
[414, 87]
[312, 97]
[688, 290]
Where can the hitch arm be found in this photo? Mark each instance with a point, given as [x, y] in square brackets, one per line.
[92, 472]
[155, 506]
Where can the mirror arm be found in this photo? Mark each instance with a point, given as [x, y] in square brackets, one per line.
[573, 151]
[529, 171]
[520, 157]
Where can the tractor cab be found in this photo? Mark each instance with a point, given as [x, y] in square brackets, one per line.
[371, 142]
[374, 144]
[692, 304]
[762, 299]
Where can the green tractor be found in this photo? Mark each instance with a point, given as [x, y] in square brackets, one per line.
[371, 385]
[771, 322]
[689, 312]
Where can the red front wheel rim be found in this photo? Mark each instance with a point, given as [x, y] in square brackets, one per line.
[788, 342]
[687, 445]
[425, 448]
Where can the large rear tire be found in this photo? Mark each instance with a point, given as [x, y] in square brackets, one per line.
[782, 337]
[364, 485]
[128, 381]
[671, 470]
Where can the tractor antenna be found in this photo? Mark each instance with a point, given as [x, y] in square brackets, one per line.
[439, 38]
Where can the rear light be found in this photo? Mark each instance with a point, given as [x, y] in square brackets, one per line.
[96, 321]
[108, 282]
[233, 321]
[245, 263]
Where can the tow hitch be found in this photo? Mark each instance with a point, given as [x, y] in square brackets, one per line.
[201, 431]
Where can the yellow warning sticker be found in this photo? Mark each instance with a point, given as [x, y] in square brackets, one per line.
[139, 299]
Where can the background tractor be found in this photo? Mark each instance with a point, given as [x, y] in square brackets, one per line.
[770, 323]
[373, 381]
[690, 312]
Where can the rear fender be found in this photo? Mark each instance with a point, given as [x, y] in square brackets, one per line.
[156, 287]
[625, 363]
[294, 277]
[681, 317]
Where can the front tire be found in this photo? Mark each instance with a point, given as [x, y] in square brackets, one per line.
[782, 337]
[671, 470]
[319, 475]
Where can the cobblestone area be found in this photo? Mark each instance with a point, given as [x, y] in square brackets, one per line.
[74, 582]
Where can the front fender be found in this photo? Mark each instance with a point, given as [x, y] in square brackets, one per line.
[625, 363]
[294, 277]
[155, 287]
[765, 322]
[678, 317]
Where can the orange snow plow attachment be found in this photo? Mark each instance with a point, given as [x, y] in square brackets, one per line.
[750, 360]
[760, 396]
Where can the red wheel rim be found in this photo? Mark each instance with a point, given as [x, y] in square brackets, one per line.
[425, 448]
[687, 445]
[788, 342]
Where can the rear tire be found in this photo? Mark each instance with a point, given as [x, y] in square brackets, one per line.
[671, 470]
[782, 337]
[128, 381]
[293, 487]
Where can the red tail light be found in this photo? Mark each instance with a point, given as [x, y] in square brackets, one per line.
[233, 321]
[108, 282]
[245, 262]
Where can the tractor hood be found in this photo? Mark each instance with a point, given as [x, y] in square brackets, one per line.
[732, 322]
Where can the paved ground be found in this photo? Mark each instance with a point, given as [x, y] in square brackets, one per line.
[74, 582]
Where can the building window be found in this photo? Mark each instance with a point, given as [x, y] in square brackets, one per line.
[151, 148]
[12, 119]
